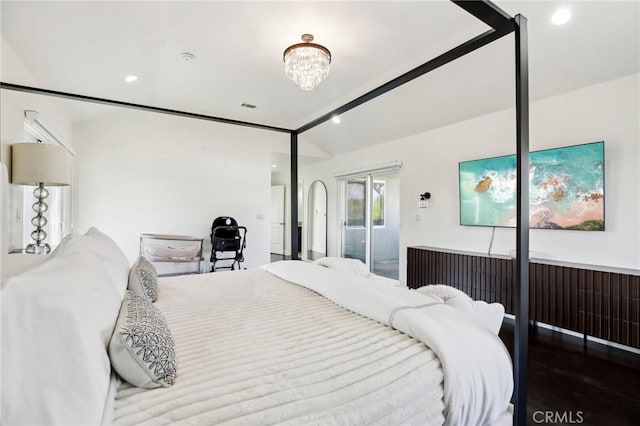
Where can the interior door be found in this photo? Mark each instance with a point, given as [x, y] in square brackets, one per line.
[277, 219]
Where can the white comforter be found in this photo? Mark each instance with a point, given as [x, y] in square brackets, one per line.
[477, 366]
[253, 349]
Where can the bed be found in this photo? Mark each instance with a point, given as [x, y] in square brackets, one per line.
[501, 24]
[290, 343]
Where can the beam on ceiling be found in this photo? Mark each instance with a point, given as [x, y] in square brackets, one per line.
[487, 12]
[449, 56]
[111, 102]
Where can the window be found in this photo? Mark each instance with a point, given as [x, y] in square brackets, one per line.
[378, 203]
[356, 203]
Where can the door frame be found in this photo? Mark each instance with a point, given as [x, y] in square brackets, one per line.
[370, 175]
[282, 224]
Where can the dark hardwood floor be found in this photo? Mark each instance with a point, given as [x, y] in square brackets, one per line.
[573, 384]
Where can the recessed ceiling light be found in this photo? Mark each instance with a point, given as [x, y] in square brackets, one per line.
[274, 165]
[561, 16]
[336, 119]
[131, 78]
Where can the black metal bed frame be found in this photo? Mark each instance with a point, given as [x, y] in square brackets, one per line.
[501, 24]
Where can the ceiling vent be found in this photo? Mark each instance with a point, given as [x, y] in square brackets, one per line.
[246, 105]
[187, 56]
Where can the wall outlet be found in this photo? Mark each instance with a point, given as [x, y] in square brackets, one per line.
[19, 215]
[260, 216]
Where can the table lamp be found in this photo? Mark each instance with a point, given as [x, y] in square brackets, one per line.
[39, 164]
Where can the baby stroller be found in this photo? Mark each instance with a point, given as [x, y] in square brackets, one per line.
[227, 237]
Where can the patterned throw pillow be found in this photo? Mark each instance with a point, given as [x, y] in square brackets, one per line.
[143, 279]
[142, 349]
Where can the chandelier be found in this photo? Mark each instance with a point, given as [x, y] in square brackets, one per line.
[306, 64]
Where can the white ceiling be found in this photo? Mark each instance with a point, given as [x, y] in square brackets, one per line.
[88, 47]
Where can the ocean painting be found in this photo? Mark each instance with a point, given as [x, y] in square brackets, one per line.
[566, 189]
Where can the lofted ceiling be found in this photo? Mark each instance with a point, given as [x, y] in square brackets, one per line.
[89, 47]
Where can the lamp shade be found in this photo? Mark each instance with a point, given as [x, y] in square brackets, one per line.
[35, 163]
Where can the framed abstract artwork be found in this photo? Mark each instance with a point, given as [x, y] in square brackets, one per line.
[566, 189]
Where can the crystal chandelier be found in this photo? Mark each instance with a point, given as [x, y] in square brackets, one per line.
[306, 64]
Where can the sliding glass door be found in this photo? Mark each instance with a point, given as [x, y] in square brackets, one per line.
[371, 222]
[385, 221]
[354, 236]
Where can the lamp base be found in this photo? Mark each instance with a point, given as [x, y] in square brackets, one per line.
[39, 221]
[38, 248]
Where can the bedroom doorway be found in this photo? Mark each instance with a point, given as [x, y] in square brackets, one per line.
[371, 221]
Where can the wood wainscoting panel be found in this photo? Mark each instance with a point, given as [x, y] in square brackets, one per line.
[597, 303]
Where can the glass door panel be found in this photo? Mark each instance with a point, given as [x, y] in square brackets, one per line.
[385, 231]
[354, 237]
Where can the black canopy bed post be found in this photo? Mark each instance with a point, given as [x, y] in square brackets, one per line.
[294, 196]
[522, 222]
[501, 24]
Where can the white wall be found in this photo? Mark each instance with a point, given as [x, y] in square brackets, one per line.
[13, 104]
[608, 111]
[12, 107]
[284, 178]
[316, 223]
[139, 172]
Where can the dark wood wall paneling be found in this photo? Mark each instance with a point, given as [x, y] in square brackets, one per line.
[597, 303]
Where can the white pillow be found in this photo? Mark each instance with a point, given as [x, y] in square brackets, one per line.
[57, 320]
[14, 264]
[109, 253]
[445, 292]
[112, 256]
[142, 349]
[353, 267]
[143, 279]
[488, 314]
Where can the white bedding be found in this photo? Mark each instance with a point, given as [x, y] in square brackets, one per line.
[253, 349]
[162, 252]
[57, 319]
[477, 366]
